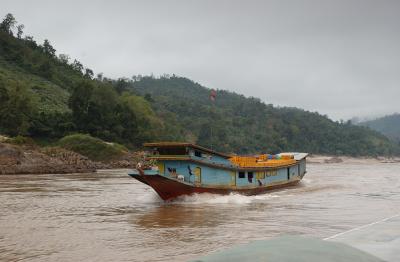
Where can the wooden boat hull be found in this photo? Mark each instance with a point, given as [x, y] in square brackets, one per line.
[168, 188]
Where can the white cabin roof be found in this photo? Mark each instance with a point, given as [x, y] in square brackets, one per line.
[296, 155]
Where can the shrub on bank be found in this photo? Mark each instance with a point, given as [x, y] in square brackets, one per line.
[20, 140]
[93, 148]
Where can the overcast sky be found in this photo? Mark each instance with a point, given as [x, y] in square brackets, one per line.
[340, 58]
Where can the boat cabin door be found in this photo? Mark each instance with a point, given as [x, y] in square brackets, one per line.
[197, 175]
[233, 179]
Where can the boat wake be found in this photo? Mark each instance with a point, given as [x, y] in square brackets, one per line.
[233, 198]
[208, 198]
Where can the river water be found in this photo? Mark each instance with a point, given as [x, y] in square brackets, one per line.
[110, 216]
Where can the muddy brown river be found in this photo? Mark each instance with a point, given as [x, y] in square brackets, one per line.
[109, 216]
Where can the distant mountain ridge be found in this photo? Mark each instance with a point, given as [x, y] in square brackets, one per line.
[388, 125]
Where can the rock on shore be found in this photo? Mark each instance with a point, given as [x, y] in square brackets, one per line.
[15, 159]
[28, 160]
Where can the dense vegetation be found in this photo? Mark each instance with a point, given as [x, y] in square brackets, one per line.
[94, 148]
[239, 124]
[387, 125]
[46, 96]
[43, 95]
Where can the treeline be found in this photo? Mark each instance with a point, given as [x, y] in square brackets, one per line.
[46, 96]
[38, 59]
[247, 125]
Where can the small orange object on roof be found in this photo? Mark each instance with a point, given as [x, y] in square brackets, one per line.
[262, 160]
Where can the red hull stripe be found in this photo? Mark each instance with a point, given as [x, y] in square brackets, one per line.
[168, 189]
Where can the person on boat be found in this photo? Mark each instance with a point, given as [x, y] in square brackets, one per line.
[172, 172]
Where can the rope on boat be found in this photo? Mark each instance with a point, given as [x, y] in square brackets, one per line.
[361, 227]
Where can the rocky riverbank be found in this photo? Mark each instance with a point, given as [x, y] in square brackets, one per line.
[16, 159]
[32, 159]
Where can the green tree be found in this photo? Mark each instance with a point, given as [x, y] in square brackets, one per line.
[16, 109]
[64, 58]
[51, 124]
[147, 123]
[46, 69]
[127, 125]
[102, 112]
[8, 24]
[79, 104]
[3, 94]
[89, 73]
[121, 85]
[48, 48]
[97, 110]
[77, 66]
[20, 31]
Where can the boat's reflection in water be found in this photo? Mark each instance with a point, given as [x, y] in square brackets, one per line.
[180, 216]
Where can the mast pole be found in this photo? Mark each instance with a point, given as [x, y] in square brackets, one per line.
[213, 96]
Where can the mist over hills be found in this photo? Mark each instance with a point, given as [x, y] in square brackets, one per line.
[47, 96]
[388, 125]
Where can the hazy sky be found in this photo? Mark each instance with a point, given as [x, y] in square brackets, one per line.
[340, 58]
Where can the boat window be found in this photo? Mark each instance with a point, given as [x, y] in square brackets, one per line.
[197, 153]
[172, 151]
[250, 177]
[242, 175]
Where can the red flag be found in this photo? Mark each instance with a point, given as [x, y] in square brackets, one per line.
[213, 95]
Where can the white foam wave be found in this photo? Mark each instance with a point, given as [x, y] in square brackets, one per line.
[306, 181]
[148, 197]
[232, 198]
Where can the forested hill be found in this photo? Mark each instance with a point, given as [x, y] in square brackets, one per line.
[246, 125]
[48, 96]
[387, 125]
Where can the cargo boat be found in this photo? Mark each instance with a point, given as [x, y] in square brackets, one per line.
[185, 169]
